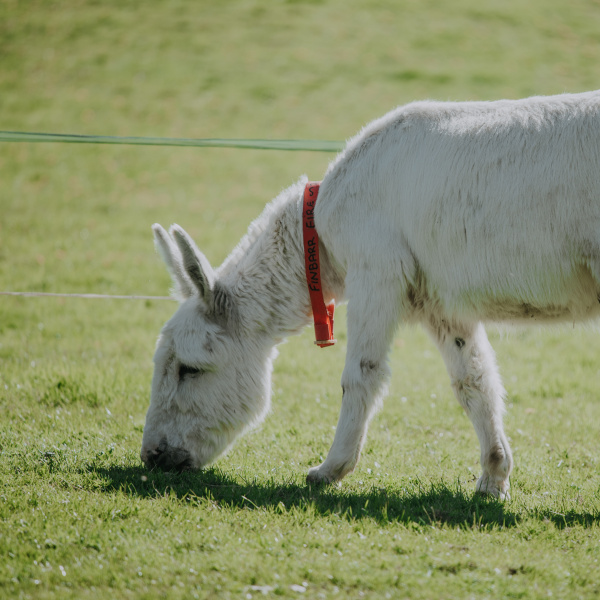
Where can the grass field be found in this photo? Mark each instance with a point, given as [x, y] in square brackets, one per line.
[79, 515]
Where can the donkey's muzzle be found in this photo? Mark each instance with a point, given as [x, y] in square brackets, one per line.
[168, 458]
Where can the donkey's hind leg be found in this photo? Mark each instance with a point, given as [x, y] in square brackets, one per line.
[476, 382]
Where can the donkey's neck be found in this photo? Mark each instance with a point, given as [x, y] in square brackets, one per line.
[266, 271]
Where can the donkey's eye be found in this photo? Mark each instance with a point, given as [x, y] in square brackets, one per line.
[185, 370]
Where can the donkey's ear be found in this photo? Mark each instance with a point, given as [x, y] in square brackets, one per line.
[171, 256]
[195, 264]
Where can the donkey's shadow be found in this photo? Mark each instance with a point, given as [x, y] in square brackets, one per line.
[422, 505]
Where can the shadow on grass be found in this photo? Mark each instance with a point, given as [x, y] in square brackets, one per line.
[420, 505]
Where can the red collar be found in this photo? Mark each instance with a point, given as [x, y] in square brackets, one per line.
[322, 315]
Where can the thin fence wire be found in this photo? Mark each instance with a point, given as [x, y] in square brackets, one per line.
[290, 145]
[86, 296]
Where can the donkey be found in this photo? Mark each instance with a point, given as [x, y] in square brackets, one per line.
[445, 214]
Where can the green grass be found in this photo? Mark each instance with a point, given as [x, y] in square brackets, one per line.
[79, 516]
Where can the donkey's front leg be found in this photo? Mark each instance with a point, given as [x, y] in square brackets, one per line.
[373, 313]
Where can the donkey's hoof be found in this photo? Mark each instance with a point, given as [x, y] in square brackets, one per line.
[320, 476]
[498, 489]
[317, 475]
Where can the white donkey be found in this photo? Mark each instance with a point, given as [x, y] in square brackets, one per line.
[447, 214]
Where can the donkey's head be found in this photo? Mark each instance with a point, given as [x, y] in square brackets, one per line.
[211, 379]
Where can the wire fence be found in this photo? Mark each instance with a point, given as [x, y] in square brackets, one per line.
[247, 144]
[86, 296]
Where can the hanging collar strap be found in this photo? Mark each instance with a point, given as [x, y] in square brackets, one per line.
[322, 315]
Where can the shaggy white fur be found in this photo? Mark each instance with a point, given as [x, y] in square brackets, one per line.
[447, 214]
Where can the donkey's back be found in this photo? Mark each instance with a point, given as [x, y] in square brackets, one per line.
[492, 210]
